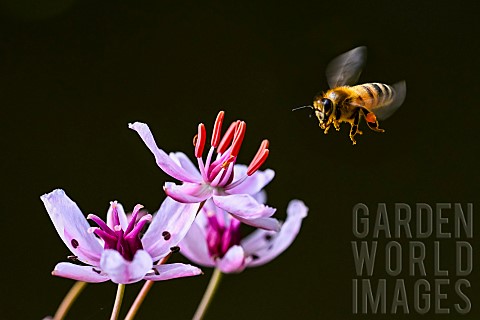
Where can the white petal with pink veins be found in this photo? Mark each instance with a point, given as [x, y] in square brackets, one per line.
[122, 271]
[172, 271]
[72, 227]
[243, 206]
[165, 163]
[188, 192]
[265, 245]
[168, 227]
[79, 273]
[233, 261]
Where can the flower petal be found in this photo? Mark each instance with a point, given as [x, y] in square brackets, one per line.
[233, 261]
[163, 160]
[194, 245]
[271, 224]
[252, 184]
[72, 227]
[122, 271]
[243, 206]
[172, 271]
[264, 246]
[168, 227]
[183, 161]
[188, 192]
[80, 273]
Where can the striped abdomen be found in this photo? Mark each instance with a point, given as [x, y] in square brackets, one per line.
[374, 95]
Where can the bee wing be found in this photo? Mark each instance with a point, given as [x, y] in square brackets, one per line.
[346, 68]
[399, 92]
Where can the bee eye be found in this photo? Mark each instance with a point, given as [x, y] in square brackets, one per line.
[327, 105]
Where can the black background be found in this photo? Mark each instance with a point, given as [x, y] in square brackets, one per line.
[74, 74]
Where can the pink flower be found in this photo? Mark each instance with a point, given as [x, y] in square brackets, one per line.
[114, 250]
[228, 184]
[214, 239]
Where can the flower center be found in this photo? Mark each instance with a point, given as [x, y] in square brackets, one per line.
[125, 241]
[221, 235]
[219, 173]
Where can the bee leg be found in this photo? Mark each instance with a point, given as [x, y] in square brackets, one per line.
[336, 124]
[354, 127]
[371, 120]
[326, 129]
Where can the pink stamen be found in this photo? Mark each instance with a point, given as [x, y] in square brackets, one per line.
[227, 177]
[227, 137]
[134, 233]
[200, 141]
[101, 223]
[209, 158]
[217, 128]
[217, 178]
[238, 139]
[259, 158]
[135, 212]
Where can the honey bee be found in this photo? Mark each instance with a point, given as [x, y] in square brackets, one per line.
[346, 102]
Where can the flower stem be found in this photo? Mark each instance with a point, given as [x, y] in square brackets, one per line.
[143, 294]
[118, 302]
[148, 285]
[69, 299]
[208, 295]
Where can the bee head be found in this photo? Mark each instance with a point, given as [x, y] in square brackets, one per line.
[323, 109]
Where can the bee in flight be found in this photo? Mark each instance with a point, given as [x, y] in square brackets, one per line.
[346, 102]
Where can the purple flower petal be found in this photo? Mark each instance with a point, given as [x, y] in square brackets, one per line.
[122, 271]
[253, 184]
[172, 271]
[265, 245]
[188, 192]
[184, 162]
[80, 273]
[233, 261]
[72, 227]
[194, 245]
[243, 206]
[168, 227]
[163, 160]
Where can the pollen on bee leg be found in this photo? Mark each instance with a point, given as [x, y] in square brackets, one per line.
[371, 117]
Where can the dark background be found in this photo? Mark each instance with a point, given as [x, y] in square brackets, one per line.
[73, 74]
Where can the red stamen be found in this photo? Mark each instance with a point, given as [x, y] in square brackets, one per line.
[259, 159]
[201, 139]
[238, 139]
[227, 137]
[217, 129]
[264, 145]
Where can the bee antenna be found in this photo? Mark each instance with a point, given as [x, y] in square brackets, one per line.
[302, 107]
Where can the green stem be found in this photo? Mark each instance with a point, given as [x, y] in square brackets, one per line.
[208, 295]
[69, 299]
[118, 302]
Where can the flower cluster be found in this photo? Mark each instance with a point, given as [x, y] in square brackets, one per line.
[201, 217]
